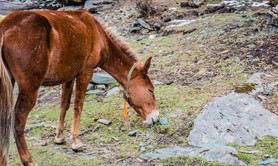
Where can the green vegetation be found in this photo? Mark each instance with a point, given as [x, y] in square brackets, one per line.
[190, 161]
[265, 148]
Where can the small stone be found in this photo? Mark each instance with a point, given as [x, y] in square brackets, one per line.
[70, 152]
[152, 36]
[95, 91]
[104, 121]
[249, 56]
[142, 149]
[170, 55]
[153, 64]
[163, 121]
[134, 29]
[157, 26]
[237, 59]
[43, 143]
[133, 133]
[252, 46]
[90, 153]
[155, 82]
[144, 24]
[90, 87]
[141, 38]
[168, 19]
[252, 38]
[112, 91]
[141, 144]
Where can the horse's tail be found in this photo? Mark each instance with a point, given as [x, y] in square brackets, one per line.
[6, 100]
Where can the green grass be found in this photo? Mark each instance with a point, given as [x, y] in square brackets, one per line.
[267, 148]
[190, 161]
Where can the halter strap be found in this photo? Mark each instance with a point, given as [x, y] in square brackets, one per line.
[126, 96]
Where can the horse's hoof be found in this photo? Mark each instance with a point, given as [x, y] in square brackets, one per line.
[78, 147]
[60, 140]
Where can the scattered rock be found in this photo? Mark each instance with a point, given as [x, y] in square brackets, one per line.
[27, 129]
[192, 3]
[112, 91]
[142, 149]
[153, 64]
[249, 56]
[272, 17]
[167, 19]
[212, 8]
[145, 25]
[71, 8]
[7, 7]
[71, 2]
[141, 38]
[95, 91]
[142, 144]
[252, 38]
[157, 26]
[268, 161]
[134, 29]
[94, 6]
[155, 82]
[170, 55]
[133, 133]
[221, 154]
[251, 46]
[152, 36]
[105, 79]
[43, 143]
[237, 59]
[104, 121]
[163, 121]
[216, 126]
[90, 87]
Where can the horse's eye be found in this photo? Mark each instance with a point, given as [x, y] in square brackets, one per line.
[151, 91]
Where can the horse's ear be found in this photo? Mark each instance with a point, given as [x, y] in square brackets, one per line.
[146, 66]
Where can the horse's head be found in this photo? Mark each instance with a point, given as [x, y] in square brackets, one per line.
[141, 94]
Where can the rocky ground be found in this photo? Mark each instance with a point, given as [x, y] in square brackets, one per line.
[198, 54]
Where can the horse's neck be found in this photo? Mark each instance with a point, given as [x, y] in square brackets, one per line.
[117, 64]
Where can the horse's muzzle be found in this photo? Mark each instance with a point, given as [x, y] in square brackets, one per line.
[152, 118]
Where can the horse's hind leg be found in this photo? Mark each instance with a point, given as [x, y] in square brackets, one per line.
[65, 104]
[25, 102]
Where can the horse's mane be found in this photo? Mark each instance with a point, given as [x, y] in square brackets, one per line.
[132, 55]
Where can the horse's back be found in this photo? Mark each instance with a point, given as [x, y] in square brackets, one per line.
[51, 46]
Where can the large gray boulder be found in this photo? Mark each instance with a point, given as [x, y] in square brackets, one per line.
[235, 118]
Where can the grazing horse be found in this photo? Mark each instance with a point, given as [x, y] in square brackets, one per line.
[47, 48]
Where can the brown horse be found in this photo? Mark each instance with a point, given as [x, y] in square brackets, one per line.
[46, 48]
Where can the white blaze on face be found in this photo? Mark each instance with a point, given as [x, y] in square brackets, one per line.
[152, 118]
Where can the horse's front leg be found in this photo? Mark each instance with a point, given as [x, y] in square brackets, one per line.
[82, 82]
[25, 102]
[64, 106]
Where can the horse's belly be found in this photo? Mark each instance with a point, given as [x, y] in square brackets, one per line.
[58, 77]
